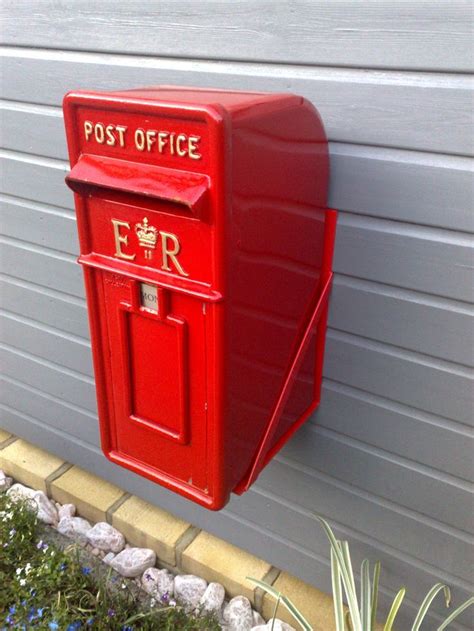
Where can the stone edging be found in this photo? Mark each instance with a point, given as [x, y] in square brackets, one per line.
[179, 546]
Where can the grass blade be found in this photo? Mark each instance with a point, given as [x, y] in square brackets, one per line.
[337, 593]
[375, 596]
[347, 558]
[394, 609]
[347, 579]
[365, 596]
[425, 605]
[286, 602]
[456, 613]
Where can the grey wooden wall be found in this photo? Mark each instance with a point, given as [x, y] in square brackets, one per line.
[388, 458]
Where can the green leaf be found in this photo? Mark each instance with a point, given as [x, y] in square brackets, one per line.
[346, 574]
[456, 613]
[337, 593]
[365, 596]
[394, 609]
[286, 602]
[425, 605]
[375, 594]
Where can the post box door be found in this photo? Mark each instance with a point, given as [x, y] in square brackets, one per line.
[157, 361]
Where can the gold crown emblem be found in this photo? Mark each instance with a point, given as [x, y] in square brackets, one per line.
[146, 234]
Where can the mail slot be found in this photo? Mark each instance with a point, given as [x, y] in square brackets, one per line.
[206, 245]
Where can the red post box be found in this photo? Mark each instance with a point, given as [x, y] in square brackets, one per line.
[206, 246]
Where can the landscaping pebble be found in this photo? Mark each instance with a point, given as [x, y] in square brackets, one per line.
[132, 562]
[20, 492]
[158, 582]
[105, 537]
[47, 511]
[276, 625]
[238, 614]
[75, 527]
[212, 599]
[5, 481]
[108, 558]
[189, 590]
[66, 510]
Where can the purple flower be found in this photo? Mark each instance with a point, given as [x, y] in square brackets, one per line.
[111, 613]
[86, 570]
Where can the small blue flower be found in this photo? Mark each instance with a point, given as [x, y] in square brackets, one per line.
[86, 570]
[12, 609]
[90, 621]
[40, 612]
[53, 625]
[63, 566]
[111, 613]
[74, 625]
[23, 602]
[127, 628]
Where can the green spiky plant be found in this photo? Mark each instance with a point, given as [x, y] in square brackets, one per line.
[361, 615]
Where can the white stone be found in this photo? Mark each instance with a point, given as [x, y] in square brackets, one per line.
[5, 481]
[189, 590]
[66, 510]
[212, 599]
[105, 537]
[257, 618]
[238, 614]
[75, 527]
[132, 562]
[47, 511]
[278, 625]
[158, 582]
[108, 558]
[20, 492]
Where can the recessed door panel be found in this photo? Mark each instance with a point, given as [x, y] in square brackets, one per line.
[158, 410]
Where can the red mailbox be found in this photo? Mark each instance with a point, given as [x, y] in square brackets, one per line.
[206, 246]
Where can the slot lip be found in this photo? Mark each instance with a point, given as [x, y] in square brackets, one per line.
[178, 186]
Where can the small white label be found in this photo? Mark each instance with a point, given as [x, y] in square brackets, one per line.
[149, 297]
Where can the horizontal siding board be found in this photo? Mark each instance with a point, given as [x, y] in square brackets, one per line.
[385, 34]
[403, 318]
[48, 377]
[403, 255]
[401, 481]
[52, 229]
[357, 106]
[62, 312]
[42, 268]
[393, 184]
[73, 421]
[357, 307]
[49, 344]
[417, 381]
[426, 259]
[397, 429]
[231, 523]
[367, 521]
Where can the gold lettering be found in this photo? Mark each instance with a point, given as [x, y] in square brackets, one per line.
[121, 239]
[162, 140]
[121, 129]
[150, 138]
[99, 133]
[171, 253]
[193, 150]
[140, 139]
[111, 140]
[179, 140]
[88, 127]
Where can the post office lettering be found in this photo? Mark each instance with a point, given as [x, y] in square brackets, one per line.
[157, 141]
